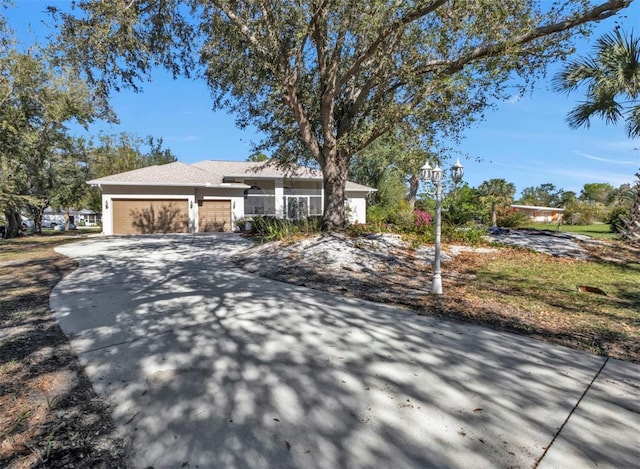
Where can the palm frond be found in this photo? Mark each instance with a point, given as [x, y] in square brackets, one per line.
[580, 116]
[632, 122]
[612, 79]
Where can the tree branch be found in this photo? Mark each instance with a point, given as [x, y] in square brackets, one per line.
[244, 29]
[290, 99]
[385, 33]
[597, 13]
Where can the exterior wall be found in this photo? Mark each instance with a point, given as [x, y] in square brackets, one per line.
[357, 207]
[279, 193]
[541, 216]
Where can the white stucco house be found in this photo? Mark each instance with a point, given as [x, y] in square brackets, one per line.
[213, 196]
[540, 214]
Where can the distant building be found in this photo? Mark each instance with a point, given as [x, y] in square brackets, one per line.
[84, 217]
[540, 214]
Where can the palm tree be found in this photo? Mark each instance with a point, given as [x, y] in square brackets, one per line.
[496, 193]
[612, 77]
[631, 231]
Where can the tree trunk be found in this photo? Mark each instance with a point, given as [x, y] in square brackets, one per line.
[37, 214]
[414, 183]
[13, 223]
[631, 230]
[334, 171]
[494, 215]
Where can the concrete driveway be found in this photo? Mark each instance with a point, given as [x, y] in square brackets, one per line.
[208, 366]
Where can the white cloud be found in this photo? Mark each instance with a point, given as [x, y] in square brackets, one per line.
[188, 138]
[613, 178]
[608, 160]
[624, 145]
[514, 99]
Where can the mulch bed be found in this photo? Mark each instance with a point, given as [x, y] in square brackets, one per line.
[50, 415]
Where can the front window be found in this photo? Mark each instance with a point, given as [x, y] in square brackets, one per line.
[302, 206]
[259, 202]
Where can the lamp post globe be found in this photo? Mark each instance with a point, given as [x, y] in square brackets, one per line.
[425, 172]
[457, 171]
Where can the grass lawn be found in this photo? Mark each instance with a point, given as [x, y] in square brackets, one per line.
[50, 415]
[535, 294]
[35, 246]
[598, 230]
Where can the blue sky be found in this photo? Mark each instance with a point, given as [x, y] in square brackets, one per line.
[525, 140]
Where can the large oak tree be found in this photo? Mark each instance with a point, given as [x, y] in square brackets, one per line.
[326, 78]
[38, 156]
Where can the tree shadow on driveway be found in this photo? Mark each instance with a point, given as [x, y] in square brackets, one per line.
[206, 365]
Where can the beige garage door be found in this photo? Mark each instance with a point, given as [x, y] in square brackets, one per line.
[214, 215]
[150, 216]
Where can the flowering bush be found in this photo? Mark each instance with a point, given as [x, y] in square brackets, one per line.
[422, 219]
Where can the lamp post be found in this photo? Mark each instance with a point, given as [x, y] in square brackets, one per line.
[434, 175]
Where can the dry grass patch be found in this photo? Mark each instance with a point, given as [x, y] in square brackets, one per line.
[49, 414]
[536, 295]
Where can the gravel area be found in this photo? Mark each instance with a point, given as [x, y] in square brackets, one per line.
[383, 252]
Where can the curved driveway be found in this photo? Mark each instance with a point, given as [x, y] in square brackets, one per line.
[208, 366]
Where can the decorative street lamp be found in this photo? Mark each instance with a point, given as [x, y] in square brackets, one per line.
[434, 175]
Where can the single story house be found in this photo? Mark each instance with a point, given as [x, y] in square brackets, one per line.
[540, 214]
[214, 196]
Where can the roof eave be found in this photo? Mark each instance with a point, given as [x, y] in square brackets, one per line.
[280, 176]
[223, 185]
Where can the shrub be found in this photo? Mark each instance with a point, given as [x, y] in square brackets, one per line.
[270, 228]
[401, 215]
[422, 219]
[616, 218]
[310, 225]
[511, 218]
[582, 213]
[470, 234]
[358, 229]
[377, 214]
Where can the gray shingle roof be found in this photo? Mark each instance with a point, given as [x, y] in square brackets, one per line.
[210, 173]
[254, 169]
[177, 173]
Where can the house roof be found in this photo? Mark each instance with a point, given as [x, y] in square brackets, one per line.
[230, 169]
[210, 173]
[535, 207]
[173, 174]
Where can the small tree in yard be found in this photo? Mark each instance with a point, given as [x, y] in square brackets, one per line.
[496, 193]
[631, 229]
[323, 79]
